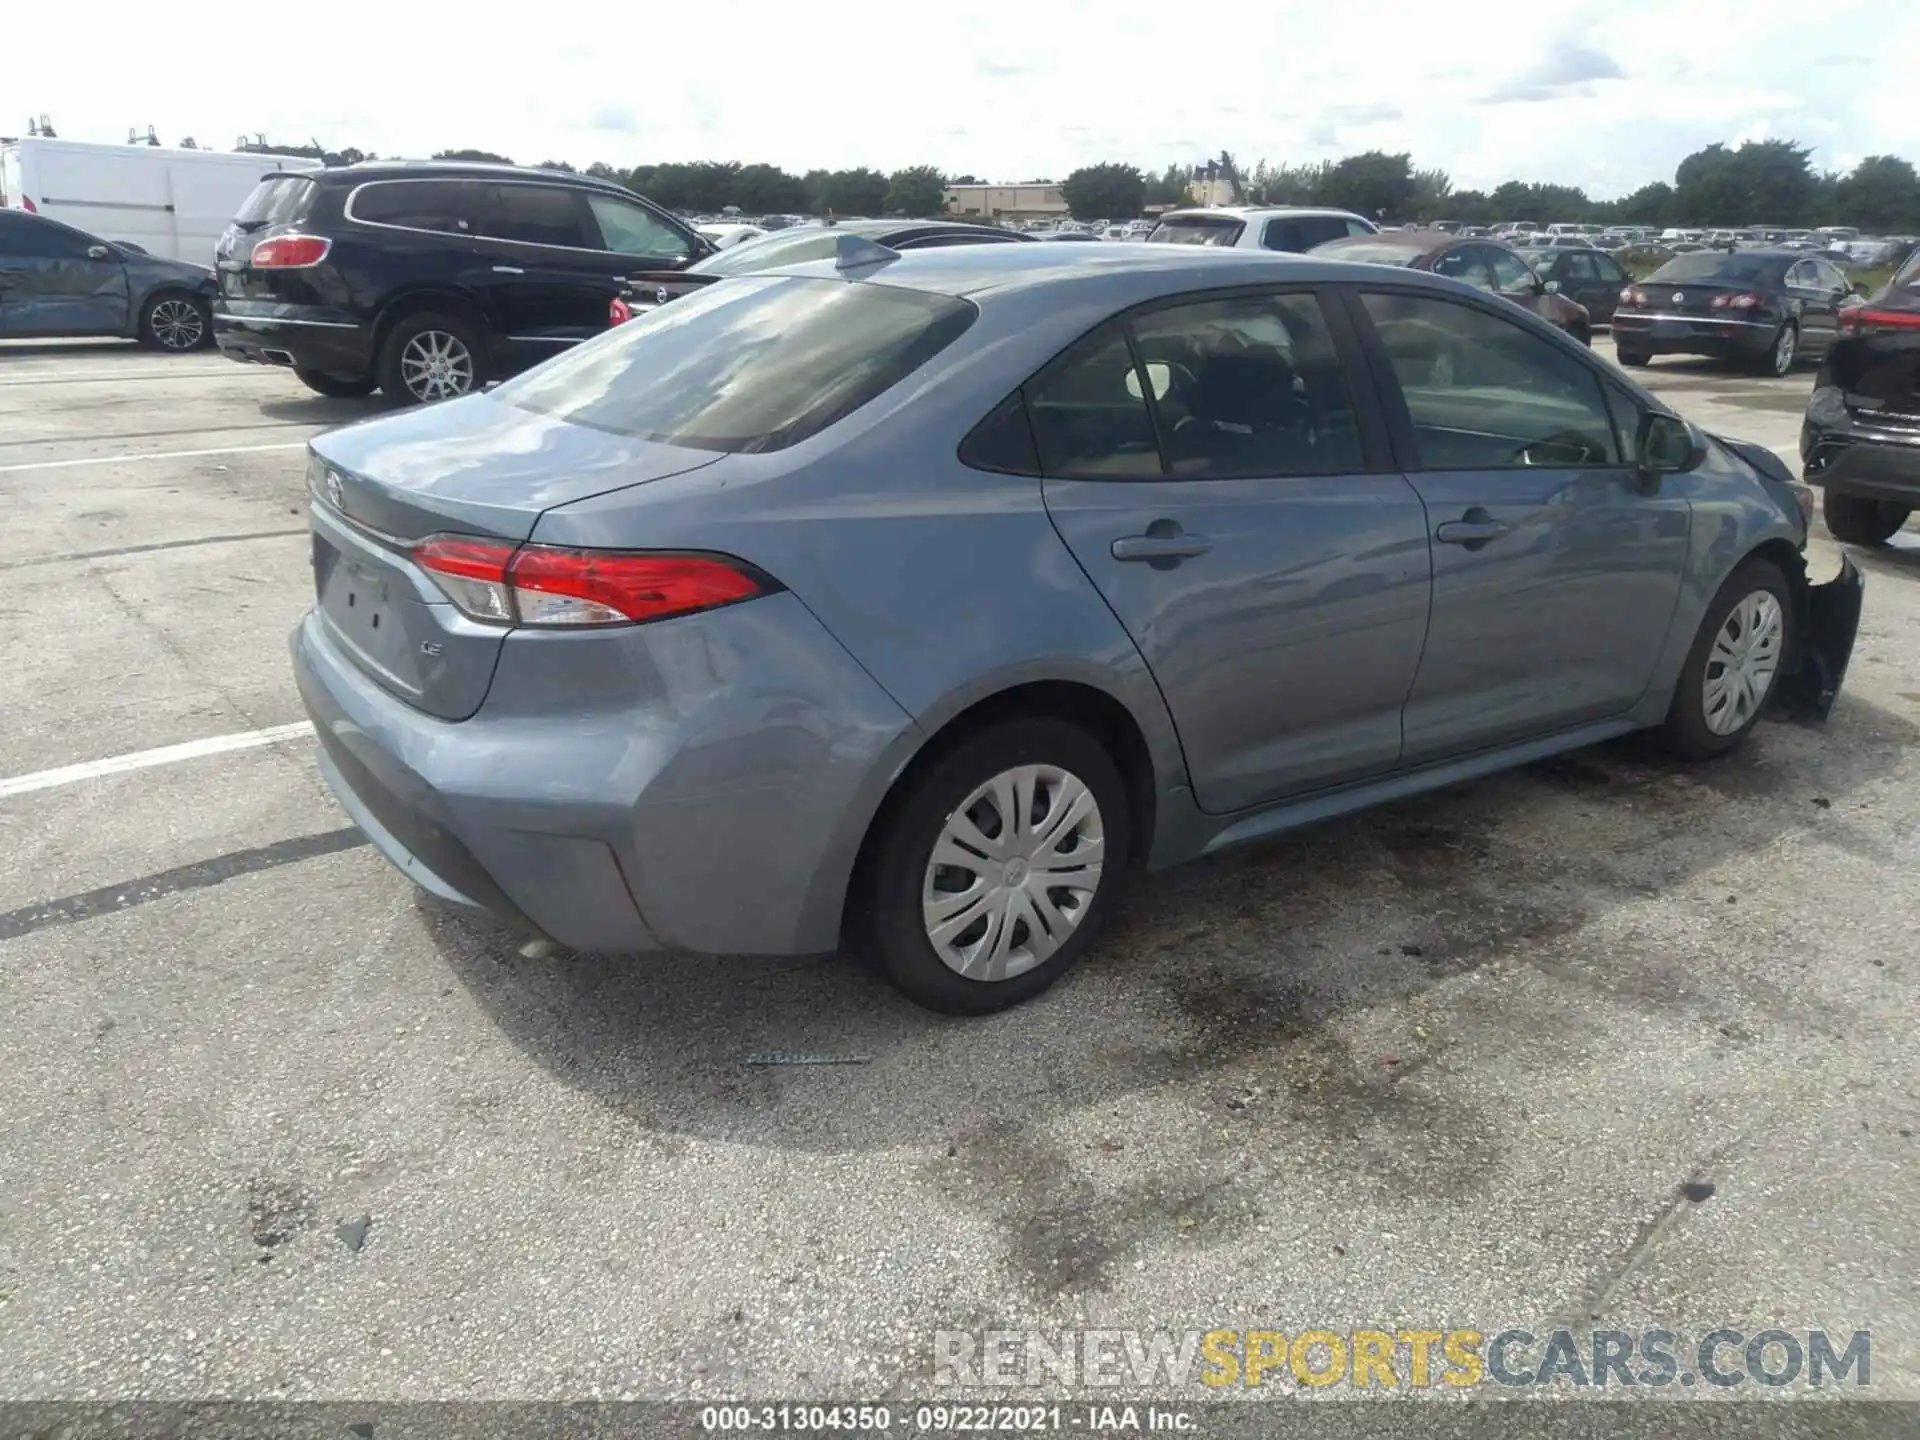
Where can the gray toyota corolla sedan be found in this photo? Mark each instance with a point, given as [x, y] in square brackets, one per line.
[911, 601]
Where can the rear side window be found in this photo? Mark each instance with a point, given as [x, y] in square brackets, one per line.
[1197, 230]
[447, 205]
[536, 215]
[1300, 233]
[276, 200]
[1089, 412]
[754, 366]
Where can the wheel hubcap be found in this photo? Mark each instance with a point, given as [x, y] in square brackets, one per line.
[435, 365]
[1783, 352]
[1742, 663]
[1012, 873]
[177, 325]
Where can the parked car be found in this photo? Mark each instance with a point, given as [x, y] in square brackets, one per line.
[1860, 441]
[1589, 277]
[914, 604]
[429, 280]
[727, 235]
[59, 281]
[644, 291]
[1484, 264]
[1290, 229]
[1763, 310]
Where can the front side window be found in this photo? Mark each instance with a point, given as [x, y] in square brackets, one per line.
[629, 229]
[755, 365]
[1610, 269]
[445, 205]
[1248, 386]
[1089, 412]
[536, 215]
[1512, 275]
[1468, 263]
[1581, 267]
[42, 239]
[1483, 393]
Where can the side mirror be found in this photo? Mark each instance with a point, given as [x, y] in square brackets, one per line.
[1667, 445]
[1553, 287]
[99, 252]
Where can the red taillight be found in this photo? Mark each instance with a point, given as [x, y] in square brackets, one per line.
[1745, 300]
[1633, 295]
[1862, 318]
[26, 203]
[618, 311]
[547, 585]
[290, 252]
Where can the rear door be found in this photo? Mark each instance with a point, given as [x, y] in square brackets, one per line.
[1831, 286]
[1247, 528]
[55, 280]
[1554, 575]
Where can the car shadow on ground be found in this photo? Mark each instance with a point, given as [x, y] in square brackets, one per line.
[1245, 970]
[310, 409]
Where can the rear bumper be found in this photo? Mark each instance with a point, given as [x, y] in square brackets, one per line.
[1694, 335]
[1840, 452]
[665, 809]
[1829, 623]
[258, 333]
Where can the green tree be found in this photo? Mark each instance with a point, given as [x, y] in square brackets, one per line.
[557, 165]
[1375, 184]
[1432, 195]
[1529, 200]
[1881, 193]
[1173, 186]
[768, 190]
[968, 178]
[851, 192]
[1763, 181]
[485, 156]
[1649, 205]
[1105, 192]
[917, 190]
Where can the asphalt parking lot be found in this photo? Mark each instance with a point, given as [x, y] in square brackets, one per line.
[1447, 1063]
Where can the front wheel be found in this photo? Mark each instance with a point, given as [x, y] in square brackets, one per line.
[1857, 520]
[994, 872]
[1744, 642]
[1635, 358]
[429, 356]
[335, 385]
[176, 322]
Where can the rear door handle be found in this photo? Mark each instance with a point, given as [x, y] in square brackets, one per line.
[1475, 530]
[1161, 547]
[508, 270]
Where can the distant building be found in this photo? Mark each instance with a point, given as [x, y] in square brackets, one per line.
[1007, 202]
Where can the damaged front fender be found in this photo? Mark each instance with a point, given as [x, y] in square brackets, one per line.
[1829, 622]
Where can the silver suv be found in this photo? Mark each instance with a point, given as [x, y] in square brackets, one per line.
[1282, 227]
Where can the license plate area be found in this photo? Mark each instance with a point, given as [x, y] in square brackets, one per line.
[361, 605]
[1671, 329]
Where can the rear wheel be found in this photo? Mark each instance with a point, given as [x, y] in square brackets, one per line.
[334, 385]
[1743, 645]
[176, 322]
[430, 356]
[994, 872]
[1630, 356]
[1781, 354]
[1857, 520]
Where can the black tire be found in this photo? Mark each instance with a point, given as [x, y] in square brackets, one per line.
[890, 921]
[1786, 338]
[393, 369]
[1686, 731]
[335, 385]
[1583, 335]
[1858, 520]
[176, 322]
[1627, 355]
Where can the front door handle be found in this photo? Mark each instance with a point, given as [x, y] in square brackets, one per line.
[1472, 530]
[508, 270]
[1175, 547]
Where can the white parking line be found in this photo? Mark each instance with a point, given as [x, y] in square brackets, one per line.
[149, 455]
[142, 759]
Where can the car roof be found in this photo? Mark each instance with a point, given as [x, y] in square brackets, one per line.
[1424, 241]
[1257, 212]
[1120, 275]
[451, 170]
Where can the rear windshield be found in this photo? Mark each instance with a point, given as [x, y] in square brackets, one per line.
[1374, 252]
[1197, 230]
[757, 365]
[277, 200]
[769, 252]
[1718, 265]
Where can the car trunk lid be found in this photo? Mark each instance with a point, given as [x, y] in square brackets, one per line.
[475, 467]
[1877, 363]
[278, 203]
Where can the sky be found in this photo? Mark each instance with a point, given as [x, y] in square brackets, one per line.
[1607, 97]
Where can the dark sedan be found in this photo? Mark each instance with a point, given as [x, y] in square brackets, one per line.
[1763, 310]
[647, 289]
[1861, 437]
[1484, 264]
[57, 281]
[1589, 277]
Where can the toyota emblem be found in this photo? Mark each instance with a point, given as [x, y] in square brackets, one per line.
[1679, 297]
[333, 490]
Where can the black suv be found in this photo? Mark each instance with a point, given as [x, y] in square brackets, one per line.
[428, 280]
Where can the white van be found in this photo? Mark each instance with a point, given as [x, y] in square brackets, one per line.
[170, 203]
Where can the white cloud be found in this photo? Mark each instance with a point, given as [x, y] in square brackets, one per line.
[1607, 97]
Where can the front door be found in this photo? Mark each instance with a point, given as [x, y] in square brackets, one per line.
[55, 280]
[1267, 560]
[548, 287]
[1555, 576]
